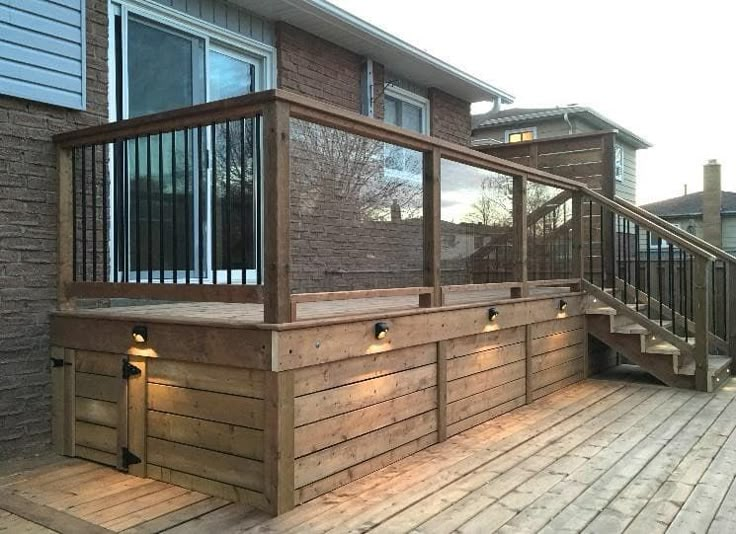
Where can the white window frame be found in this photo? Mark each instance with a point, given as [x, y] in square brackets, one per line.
[215, 38]
[507, 133]
[414, 99]
[618, 149]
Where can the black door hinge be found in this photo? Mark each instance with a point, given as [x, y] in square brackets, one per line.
[129, 458]
[130, 370]
[59, 362]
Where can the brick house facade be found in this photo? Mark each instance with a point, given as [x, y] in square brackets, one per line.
[28, 214]
[28, 200]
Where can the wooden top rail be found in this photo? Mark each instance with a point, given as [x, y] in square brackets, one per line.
[717, 252]
[647, 222]
[463, 288]
[307, 109]
[298, 298]
[177, 119]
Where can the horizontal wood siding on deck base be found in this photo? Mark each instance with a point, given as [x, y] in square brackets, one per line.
[558, 354]
[344, 403]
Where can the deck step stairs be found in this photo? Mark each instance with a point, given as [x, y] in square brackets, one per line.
[633, 334]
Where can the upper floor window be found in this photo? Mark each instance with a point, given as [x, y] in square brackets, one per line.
[406, 110]
[618, 157]
[517, 136]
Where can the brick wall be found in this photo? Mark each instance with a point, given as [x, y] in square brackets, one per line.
[28, 244]
[317, 68]
[449, 117]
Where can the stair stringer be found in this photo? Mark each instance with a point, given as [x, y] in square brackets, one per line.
[599, 326]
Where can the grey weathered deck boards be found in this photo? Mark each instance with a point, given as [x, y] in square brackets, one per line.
[598, 456]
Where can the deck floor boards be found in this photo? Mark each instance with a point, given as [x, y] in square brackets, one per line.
[598, 457]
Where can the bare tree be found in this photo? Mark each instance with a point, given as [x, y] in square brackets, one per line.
[349, 173]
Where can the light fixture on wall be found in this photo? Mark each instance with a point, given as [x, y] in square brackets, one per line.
[380, 330]
[562, 306]
[140, 334]
[492, 314]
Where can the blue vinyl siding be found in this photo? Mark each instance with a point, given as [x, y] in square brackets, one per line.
[42, 51]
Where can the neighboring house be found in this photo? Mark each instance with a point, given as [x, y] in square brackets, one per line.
[515, 125]
[709, 214]
[68, 64]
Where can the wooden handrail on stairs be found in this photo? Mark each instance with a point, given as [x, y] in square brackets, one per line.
[691, 258]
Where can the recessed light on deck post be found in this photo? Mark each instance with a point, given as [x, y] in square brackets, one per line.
[562, 306]
[381, 330]
[492, 314]
[140, 334]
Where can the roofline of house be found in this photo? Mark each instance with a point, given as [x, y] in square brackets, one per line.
[631, 137]
[469, 87]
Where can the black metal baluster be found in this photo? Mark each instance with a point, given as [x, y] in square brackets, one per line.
[660, 276]
[683, 266]
[637, 265]
[724, 297]
[590, 241]
[227, 229]
[116, 185]
[243, 240]
[137, 211]
[712, 295]
[603, 256]
[649, 274]
[105, 227]
[149, 206]
[174, 200]
[201, 202]
[214, 204]
[94, 212]
[671, 280]
[125, 213]
[84, 213]
[625, 240]
[187, 224]
[74, 214]
[257, 197]
[161, 214]
[692, 287]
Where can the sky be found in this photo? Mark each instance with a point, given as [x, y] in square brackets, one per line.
[664, 70]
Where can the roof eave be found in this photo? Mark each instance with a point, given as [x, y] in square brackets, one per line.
[378, 45]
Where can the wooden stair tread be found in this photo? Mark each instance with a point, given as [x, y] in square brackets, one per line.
[716, 363]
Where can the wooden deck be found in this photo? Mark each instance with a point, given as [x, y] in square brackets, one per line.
[246, 314]
[599, 456]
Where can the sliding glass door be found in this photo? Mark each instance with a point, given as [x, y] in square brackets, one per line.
[180, 228]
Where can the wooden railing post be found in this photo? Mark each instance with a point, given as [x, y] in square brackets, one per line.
[278, 438]
[702, 296]
[520, 243]
[578, 261]
[431, 193]
[276, 303]
[64, 165]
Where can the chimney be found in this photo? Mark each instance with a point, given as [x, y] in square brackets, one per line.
[712, 202]
[685, 189]
[395, 211]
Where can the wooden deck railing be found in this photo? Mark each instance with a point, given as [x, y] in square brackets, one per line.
[87, 217]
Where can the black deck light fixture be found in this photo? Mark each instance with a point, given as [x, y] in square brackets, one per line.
[140, 334]
[492, 314]
[562, 306]
[380, 330]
